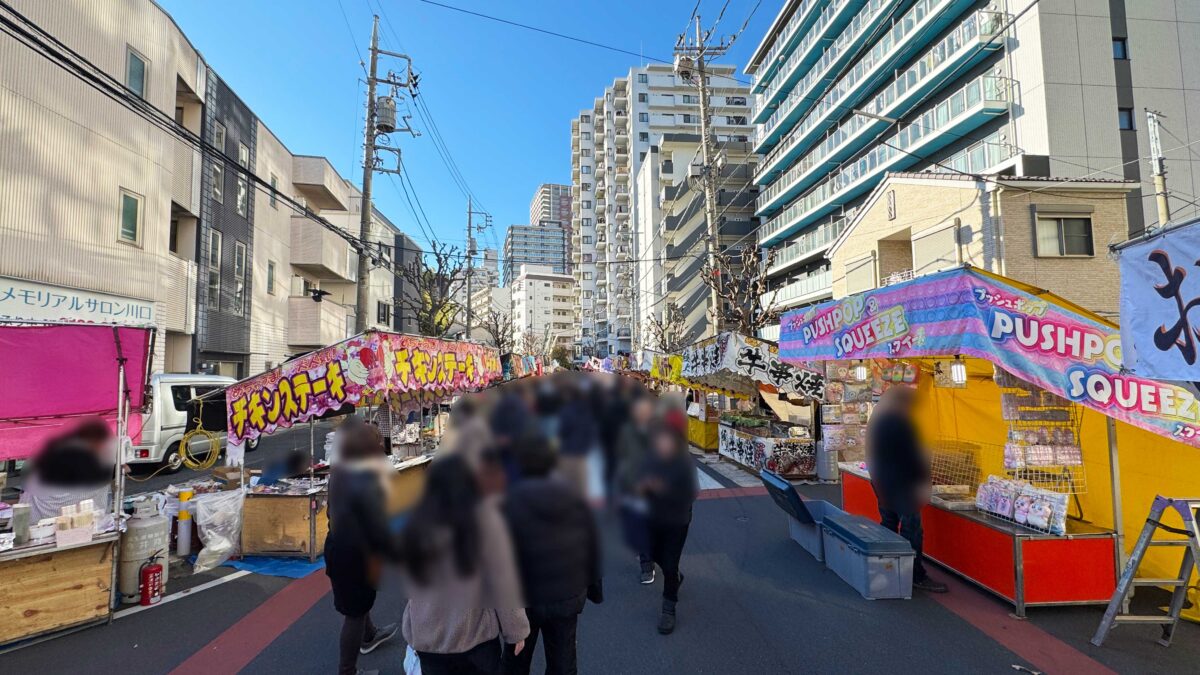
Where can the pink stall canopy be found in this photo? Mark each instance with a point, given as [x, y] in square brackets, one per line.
[53, 376]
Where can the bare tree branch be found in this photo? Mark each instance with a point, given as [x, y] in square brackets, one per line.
[433, 282]
[668, 332]
[499, 327]
[740, 279]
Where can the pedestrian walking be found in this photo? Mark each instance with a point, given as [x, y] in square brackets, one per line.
[358, 542]
[464, 603]
[558, 556]
[632, 452]
[900, 474]
[670, 485]
[579, 436]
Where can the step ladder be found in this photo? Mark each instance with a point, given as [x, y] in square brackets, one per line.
[1189, 511]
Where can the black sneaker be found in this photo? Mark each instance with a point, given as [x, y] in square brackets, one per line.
[648, 576]
[382, 635]
[666, 622]
[930, 586]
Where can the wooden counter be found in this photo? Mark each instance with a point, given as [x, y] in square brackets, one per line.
[45, 589]
[284, 525]
[406, 484]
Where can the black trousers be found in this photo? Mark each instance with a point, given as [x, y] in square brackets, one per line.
[355, 631]
[558, 635]
[482, 659]
[666, 548]
[909, 527]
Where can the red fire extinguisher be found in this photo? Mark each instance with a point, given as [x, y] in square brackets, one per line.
[150, 582]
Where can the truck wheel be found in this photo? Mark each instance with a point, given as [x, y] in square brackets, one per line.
[252, 445]
[173, 461]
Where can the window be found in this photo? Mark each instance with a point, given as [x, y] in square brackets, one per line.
[643, 78]
[270, 277]
[131, 218]
[585, 169]
[643, 137]
[135, 72]
[173, 237]
[735, 119]
[1120, 49]
[274, 191]
[690, 119]
[383, 313]
[735, 100]
[586, 152]
[214, 269]
[243, 185]
[180, 395]
[643, 117]
[586, 119]
[585, 135]
[219, 136]
[1125, 119]
[691, 98]
[587, 239]
[587, 203]
[587, 187]
[1064, 236]
[218, 186]
[643, 98]
[239, 277]
[587, 276]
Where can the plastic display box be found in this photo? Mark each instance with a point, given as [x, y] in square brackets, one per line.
[875, 562]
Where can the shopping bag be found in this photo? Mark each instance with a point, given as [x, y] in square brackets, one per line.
[412, 663]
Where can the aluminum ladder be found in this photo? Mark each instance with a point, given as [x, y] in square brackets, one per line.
[1189, 511]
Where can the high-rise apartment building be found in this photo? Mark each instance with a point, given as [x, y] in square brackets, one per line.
[545, 245]
[846, 91]
[609, 142]
[543, 310]
[551, 202]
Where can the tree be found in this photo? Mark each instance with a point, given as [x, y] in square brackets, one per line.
[668, 332]
[433, 282]
[533, 343]
[561, 356]
[740, 279]
[499, 327]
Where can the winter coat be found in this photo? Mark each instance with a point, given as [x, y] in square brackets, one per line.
[672, 489]
[633, 448]
[898, 468]
[577, 428]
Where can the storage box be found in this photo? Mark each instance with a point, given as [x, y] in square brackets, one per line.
[876, 562]
[229, 476]
[804, 516]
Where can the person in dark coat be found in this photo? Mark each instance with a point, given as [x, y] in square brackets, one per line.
[558, 557]
[632, 452]
[670, 484]
[900, 474]
[579, 435]
[358, 541]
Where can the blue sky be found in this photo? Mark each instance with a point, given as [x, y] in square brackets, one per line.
[502, 97]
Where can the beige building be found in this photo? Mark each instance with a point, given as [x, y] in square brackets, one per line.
[543, 311]
[1051, 233]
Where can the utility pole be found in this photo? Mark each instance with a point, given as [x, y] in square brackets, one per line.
[381, 121]
[1158, 167]
[689, 56]
[471, 229]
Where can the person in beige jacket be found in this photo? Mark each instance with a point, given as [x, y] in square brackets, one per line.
[460, 570]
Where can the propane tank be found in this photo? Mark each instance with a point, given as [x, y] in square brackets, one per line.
[151, 579]
[147, 536]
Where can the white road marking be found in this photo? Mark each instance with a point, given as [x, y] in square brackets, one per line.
[182, 594]
[707, 482]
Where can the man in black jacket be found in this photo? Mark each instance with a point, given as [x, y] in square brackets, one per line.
[900, 474]
[558, 556]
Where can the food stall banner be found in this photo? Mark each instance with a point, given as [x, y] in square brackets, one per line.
[516, 366]
[412, 371]
[52, 376]
[739, 363]
[1038, 337]
[787, 456]
[1157, 298]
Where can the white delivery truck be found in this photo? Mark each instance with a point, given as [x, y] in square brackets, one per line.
[166, 422]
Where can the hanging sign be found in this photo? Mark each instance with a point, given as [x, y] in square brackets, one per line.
[965, 312]
[737, 362]
[1160, 291]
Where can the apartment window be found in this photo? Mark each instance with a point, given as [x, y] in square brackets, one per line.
[585, 169]
[1120, 49]
[131, 217]
[585, 135]
[243, 155]
[243, 196]
[643, 137]
[587, 187]
[643, 117]
[586, 152]
[270, 277]
[214, 269]
[690, 119]
[643, 98]
[239, 276]
[587, 276]
[173, 237]
[735, 119]
[587, 295]
[218, 186]
[1064, 237]
[274, 191]
[735, 100]
[383, 313]
[219, 136]
[135, 72]
[587, 239]
[587, 203]
[1125, 119]
[586, 119]
[643, 78]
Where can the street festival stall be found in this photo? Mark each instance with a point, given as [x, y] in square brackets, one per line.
[60, 573]
[516, 366]
[406, 372]
[1025, 401]
[782, 442]
[702, 408]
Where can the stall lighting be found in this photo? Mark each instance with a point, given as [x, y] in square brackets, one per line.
[861, 372]
[958, 371]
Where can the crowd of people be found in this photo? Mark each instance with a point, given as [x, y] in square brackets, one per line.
[502, 550]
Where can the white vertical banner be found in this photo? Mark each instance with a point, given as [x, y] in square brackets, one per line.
[1160, 306]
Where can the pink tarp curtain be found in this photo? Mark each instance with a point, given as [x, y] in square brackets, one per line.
[51, 377]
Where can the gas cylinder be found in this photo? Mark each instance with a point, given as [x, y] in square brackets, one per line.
[147, 535]
[151, 582]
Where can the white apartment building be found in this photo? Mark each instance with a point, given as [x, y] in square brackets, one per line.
[609, 142]
[846, 91]
[671, 231]
[543, 310]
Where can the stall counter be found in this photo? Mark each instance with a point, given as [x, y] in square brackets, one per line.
[44, 588]
[1023, 566]
[285, 525]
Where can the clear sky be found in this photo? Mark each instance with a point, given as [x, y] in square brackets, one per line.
[502, 97]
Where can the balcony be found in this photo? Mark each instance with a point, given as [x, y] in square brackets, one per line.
[964, 110]
[315, 324]
[803, 291]
[797, 25]
[808, 245]
[966, 45]
[830, 27]
[320, 184]
[320, 252]
[185, 178]
[905, 39]
[178, 281]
